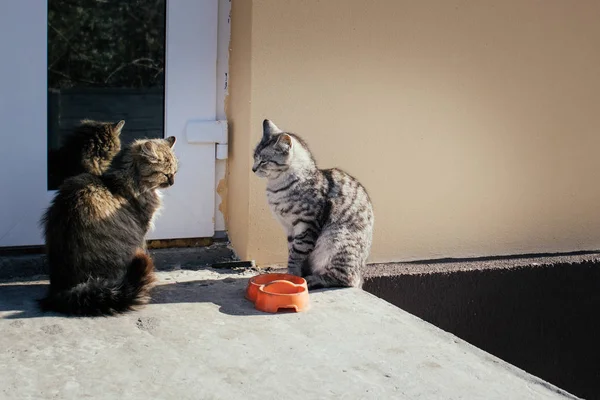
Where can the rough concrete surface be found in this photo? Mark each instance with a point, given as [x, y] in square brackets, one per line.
[476, 264]
[200, 339]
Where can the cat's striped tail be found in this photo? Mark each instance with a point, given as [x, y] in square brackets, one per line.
[106, 296]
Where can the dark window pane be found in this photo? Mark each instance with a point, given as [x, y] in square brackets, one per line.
[106, 62]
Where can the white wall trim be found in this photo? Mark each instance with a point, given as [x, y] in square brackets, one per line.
[223, 38]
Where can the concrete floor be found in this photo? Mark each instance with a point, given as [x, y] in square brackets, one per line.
[200, 339]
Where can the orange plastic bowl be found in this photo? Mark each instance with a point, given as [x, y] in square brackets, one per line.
[279, 295]
[273, 292]
[259, 280]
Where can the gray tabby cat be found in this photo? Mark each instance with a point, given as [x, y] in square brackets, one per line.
[95, 232]
[326, 213]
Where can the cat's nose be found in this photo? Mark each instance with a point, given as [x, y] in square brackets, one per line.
[254, 168]
[171, 179]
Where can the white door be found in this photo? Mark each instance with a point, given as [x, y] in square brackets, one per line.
[183, 104]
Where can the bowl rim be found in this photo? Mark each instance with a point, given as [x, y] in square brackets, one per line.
[302, 290]
[280, 277]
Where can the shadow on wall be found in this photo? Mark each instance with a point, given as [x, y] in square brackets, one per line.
[540, 319]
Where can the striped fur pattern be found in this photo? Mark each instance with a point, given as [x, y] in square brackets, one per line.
[95, 232]
[89, 148]
[326, 213]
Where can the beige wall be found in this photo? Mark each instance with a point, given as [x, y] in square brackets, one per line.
[475, 125]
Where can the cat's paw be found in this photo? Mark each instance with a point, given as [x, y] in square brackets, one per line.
[314, 282]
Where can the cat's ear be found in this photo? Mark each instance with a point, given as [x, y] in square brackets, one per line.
[171, 140]
[148, 151]
[118, 127]
[269, 128]
[284, 142]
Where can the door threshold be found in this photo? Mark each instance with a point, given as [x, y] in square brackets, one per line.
[219, 237]
[179, 243]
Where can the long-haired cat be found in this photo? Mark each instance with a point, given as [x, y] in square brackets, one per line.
[89, 148]
[326, 213]
[95, 232]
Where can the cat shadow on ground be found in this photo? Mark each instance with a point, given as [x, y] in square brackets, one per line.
[19, 300]
[227, 293]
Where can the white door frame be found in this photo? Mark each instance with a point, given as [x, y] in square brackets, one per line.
[192, 108]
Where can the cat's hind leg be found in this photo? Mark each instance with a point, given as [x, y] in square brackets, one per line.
[334, 263]
[327, 281]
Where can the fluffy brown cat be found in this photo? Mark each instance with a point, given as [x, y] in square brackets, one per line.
[95, 232]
